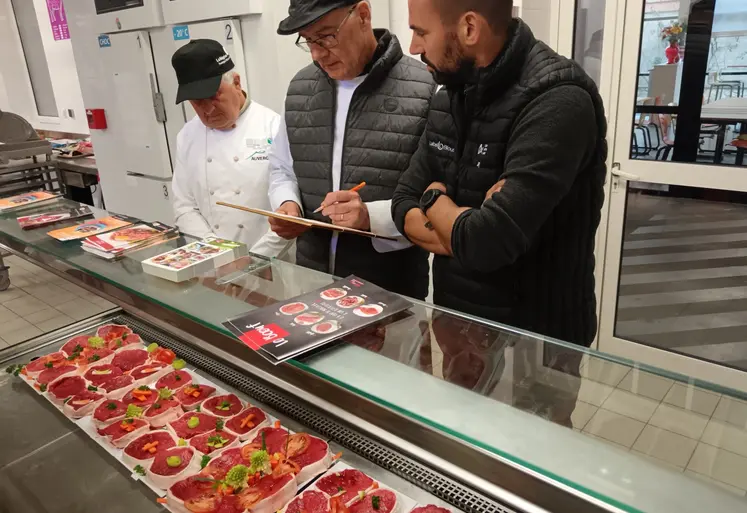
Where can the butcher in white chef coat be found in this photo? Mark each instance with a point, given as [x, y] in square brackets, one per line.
[221, 155]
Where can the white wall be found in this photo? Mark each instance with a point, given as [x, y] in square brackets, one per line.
[16, 94]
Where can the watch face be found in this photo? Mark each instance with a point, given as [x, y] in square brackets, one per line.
[429, 198]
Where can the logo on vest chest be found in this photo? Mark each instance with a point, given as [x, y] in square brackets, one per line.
[440, 146]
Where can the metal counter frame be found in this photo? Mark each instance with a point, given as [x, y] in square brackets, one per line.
[498, 479]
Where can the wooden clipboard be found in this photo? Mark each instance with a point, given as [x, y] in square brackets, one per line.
[307, 222]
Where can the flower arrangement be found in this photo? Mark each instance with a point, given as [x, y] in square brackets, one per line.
[674, 33]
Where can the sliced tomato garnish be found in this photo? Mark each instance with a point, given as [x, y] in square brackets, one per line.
[286, 467]
[249, 497]
[297, 444]
[247, 450]
[206, 503]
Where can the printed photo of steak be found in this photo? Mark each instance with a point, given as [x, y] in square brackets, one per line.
[125, 340]
[163, 411]
[193, 395]
[269, 495]
[346, 483]
[121, 433]
[150, 372]
[144, 448]
[49, 375]
[128, 359]
[213, 441]
[174, 380]
[46, 362]
[173, 465]
[142, 396]
[98, 374]
[247, 424]
[109, 411]
[117, 387]
[222, 405]
[387, 502]
[430, 509]
[65, 387]
[81, 405]
[192, 424]
[112, 331]
[310, 501]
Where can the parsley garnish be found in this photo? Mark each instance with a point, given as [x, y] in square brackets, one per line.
[340, 489]
[49, 365]
[376, 502]
[92, 388]
[94, 358]
[144, 387]
[198, 409]
[78, 349]
[111, 406]
[156, 406]
[43, 388]
[224, 406]
[139, 470]
[178, 377]
[205, 460]
[219, 425]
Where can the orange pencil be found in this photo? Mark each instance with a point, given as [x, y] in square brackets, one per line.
[354, 189]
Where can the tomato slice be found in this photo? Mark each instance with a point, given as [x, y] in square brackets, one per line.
[164, 355]
[249, 497]
[206, 503]
[247, 450]
[297, 444]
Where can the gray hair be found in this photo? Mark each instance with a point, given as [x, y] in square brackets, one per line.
[228, 76]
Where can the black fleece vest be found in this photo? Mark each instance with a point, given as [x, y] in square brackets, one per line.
[386, 120]
[550, 288]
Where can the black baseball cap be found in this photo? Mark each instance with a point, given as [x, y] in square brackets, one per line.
[199, 66]
[303, 13]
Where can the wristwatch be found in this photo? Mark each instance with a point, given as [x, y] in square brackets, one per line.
[429, 198]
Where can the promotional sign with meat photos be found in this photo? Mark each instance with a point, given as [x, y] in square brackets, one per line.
[288, 329]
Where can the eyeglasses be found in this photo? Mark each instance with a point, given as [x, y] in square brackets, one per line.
[327, 42]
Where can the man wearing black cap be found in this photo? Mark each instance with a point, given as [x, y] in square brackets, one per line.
[221, 155]
[355, 115]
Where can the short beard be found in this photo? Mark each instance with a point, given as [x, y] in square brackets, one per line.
[458, 70]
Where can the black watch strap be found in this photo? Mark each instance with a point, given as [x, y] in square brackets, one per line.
[429, 198]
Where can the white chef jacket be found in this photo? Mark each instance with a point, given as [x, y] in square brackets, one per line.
[284, 185]
[230, 166]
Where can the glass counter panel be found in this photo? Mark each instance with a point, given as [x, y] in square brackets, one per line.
[634, 437]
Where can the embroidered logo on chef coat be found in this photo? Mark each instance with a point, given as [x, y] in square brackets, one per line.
[482, 150]
[258, 149]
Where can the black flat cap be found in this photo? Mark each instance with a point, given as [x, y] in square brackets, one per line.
[199, 66]
[303, 13]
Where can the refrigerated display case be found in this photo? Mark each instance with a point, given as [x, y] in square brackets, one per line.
[446, 408]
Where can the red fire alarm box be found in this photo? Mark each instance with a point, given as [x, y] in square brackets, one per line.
[96, 119]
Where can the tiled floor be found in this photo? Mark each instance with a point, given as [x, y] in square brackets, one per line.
[38, 302]
[681, 427]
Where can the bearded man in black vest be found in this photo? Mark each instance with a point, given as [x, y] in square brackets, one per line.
[355, 115]
[507, 185]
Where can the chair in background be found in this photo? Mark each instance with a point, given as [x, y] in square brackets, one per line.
[741, 146]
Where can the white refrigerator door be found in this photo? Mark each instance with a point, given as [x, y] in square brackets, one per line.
[169, 40]
[133, 118]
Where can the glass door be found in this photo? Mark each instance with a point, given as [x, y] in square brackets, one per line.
[675, 272]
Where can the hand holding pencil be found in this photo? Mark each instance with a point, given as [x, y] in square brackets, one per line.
[346, 208]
